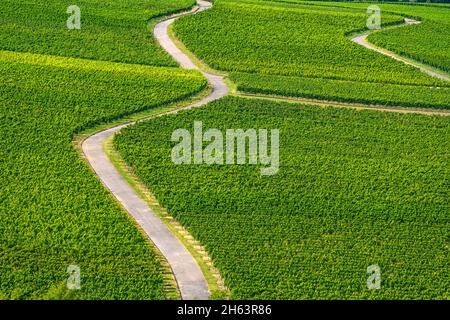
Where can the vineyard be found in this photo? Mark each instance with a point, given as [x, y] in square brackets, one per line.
[316, 52]
[354, 188]
[53, 211]
[111, 30]
[345, 91]
[427, 42]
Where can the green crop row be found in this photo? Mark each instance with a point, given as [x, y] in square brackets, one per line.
[110, 30]
[344, 91]
[53, 211]
[263, 39]
[354, 188]
[427, 42]
[303, 50]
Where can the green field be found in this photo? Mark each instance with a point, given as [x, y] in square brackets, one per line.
[111, 30]
[53, 211]
[305, 48]
[354, 188]
[427, 42]
[344, 90]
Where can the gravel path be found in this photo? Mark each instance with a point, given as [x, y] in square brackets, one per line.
[190, 279]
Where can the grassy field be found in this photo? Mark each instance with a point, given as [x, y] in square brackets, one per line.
[110, 30]
[354, 188]
[53, 211]
[268, 46]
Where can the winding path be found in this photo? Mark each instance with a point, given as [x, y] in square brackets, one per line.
[362, 40]
[190, 279]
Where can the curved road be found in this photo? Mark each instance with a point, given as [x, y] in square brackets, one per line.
[190, 279]
[362, 40]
